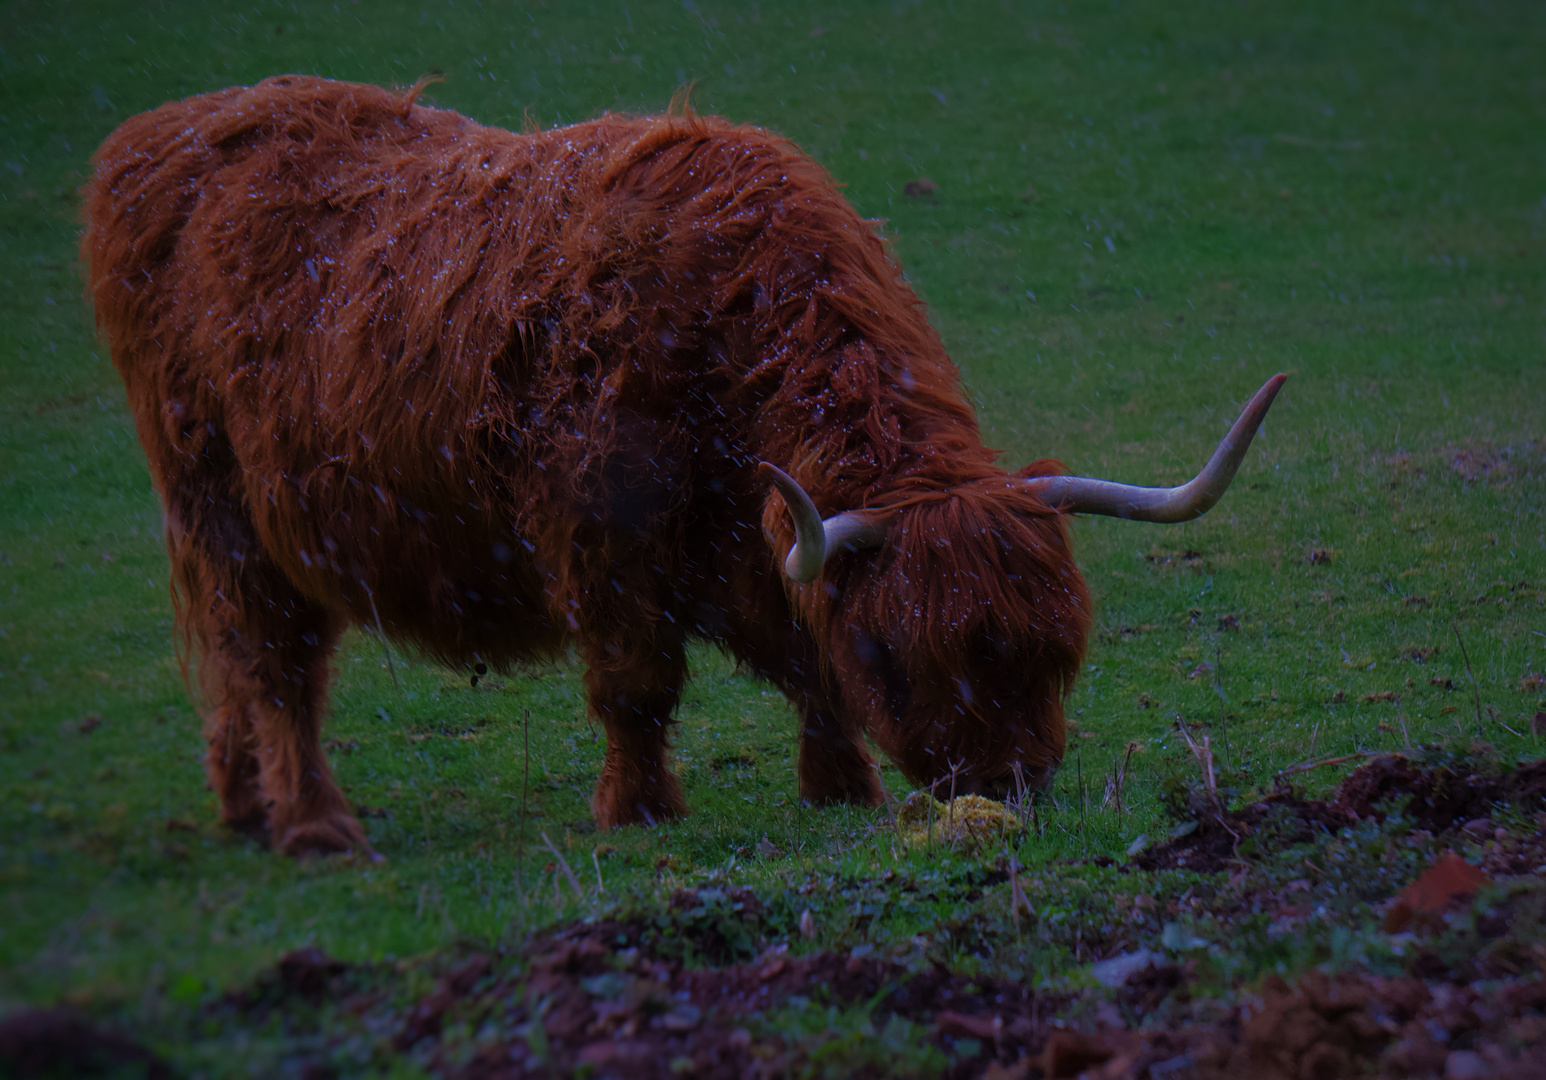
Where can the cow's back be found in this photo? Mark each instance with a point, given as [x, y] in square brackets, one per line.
[389, 320]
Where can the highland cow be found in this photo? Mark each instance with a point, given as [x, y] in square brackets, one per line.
[502, 395]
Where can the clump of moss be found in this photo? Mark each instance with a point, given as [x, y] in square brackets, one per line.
[967, 821]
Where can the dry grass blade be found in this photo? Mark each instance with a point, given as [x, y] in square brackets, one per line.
[885, 793]
[381, 635]
[563, 863]
[1475, 689]
[1204, 755]
[1306, 766]
[1017, 897]
[1112, 799]
[1020, 806]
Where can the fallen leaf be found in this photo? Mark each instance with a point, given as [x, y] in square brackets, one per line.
[958, 1025]
[1448, 880]
[1069, 1053]
[1018, 1071]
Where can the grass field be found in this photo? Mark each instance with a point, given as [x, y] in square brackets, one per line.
[1140, 214]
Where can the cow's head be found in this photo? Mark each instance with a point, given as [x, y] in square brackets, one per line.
[958, 623]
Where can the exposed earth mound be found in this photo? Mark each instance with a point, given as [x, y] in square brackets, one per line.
[1435, 796]
[1449, 896]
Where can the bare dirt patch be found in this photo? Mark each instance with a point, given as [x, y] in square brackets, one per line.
[1436, 797]
[39, 1043]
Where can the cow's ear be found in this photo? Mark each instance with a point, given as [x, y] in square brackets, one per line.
[1043, 467]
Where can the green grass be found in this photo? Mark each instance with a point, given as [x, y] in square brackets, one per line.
[1141, 214]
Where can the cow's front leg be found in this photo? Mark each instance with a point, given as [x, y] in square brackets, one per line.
[835, 768]
[633, 690]
[269, 680]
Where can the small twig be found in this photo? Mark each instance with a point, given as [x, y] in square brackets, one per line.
[1406, 736]
[1204, 756]
[1121, 777]
[1314, 734]
[596, 860]
[1218, 688]
[1017, 897]
[1306, 766]
[574, 882]
[950, 807]
[928, 834]
[1475, 689]
[1510, 730]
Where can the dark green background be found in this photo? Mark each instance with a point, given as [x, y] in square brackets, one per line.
[1141, 213]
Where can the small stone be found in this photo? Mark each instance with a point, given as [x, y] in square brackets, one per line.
[684, 1017]
[1120, 969]
[1466, 1065]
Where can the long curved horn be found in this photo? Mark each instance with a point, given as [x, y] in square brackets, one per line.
[815, 539]
[1082, 495]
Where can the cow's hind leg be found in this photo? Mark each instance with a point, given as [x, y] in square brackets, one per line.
[633, 690]
[264, 671]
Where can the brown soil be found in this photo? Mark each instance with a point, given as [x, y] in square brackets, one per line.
[1349, 1025]
[589, 998]
[47, 1043]
[696, 990]
[1436, 799]
[613, 1006]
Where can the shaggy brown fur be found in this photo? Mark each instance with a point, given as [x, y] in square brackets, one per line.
[509, 392]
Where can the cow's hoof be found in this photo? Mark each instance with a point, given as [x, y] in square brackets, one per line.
[254, 827]
[330, 835]
[850, 789]
[614, 811]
